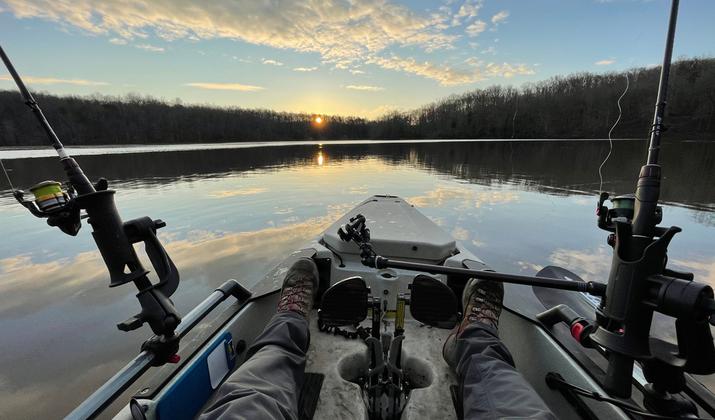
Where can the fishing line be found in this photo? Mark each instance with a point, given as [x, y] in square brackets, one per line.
[513, 119]
[610, 139]
[7, 176]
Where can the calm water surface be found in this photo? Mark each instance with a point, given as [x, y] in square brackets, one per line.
[235, 212]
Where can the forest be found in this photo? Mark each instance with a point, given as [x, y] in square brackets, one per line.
[581, 105]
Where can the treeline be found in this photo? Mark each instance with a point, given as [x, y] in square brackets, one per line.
[134, 119]
[576, 106]
[582, 105]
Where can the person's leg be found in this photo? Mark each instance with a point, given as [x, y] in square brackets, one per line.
[267, 384]
[490, 385]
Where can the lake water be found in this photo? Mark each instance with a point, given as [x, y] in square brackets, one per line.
[234, 212]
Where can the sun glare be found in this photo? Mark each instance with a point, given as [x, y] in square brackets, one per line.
[318, 120]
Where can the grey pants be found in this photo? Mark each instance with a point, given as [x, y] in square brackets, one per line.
[491, 386]
[267, 385]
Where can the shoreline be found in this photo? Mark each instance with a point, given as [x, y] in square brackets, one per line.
[20, 152]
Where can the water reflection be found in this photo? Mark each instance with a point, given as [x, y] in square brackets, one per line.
[233, 213]
[30, 285]
[552, 167]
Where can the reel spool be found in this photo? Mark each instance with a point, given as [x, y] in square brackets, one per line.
[622, 210]
[53, 203]
[49, 196]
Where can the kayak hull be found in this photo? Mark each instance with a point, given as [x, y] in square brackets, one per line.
[536, 350]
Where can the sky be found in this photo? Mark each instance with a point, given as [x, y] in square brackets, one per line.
[344, 57]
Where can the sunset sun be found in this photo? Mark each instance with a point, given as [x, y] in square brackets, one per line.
[318, 120]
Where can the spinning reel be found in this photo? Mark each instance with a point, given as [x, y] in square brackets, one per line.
[55, 204]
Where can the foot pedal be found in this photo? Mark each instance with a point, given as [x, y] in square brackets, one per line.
[308, 400]
[457, 401]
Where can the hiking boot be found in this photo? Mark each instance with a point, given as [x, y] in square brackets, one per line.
[482, 303]
[299, 287]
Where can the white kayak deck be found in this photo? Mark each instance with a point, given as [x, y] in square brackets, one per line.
[398, 230]
[341, 399]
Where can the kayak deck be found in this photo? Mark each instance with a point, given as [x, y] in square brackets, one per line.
[329, 354]
[340, 360]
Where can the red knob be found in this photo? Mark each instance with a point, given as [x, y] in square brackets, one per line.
[576, 330]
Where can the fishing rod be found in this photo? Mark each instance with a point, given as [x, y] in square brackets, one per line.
[639, 273]
[113, 237]
[62, 204]
[639, 285]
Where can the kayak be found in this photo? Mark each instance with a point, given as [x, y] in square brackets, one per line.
[398, 230]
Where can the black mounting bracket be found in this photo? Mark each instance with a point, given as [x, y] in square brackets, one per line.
[115, 240]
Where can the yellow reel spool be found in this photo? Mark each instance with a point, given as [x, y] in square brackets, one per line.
[49, 195]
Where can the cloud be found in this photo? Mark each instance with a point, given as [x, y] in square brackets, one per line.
[459, 233]
[118, 41]
[606, 62]
[356, 71]
[237, 192]
[463, 198]
[448, 76]
[65, 278]
[507, 70]
[473, 61]
[704, 270]
[476, 28]
[55, 81]
[272, 62]
[365, 88]
[361, 190]
[305, 69]
[590, 264]
[380, 111]
[500, 17]
[336, 29]
[225, 86]
[444, 75]
[468, 10]
[148, 47]
[528, 266]
[343, 33]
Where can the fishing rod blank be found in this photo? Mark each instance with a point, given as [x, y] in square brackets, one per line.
[76, 177]
[30, 101]
[648, 188]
